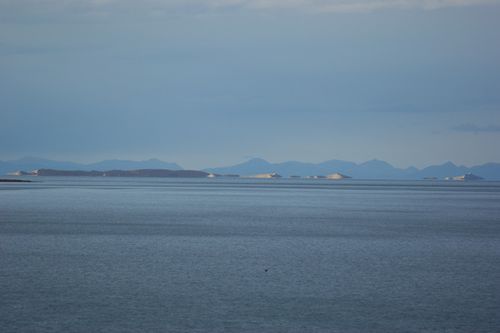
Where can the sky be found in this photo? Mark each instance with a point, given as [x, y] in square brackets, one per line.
[214, 82]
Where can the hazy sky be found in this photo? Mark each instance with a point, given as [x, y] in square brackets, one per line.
[213, 82]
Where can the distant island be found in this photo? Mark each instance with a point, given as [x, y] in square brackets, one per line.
[467, 176]
[266, 175]
[166, 173]
[122, 173]
[14, 181]
[337, 176]
[260, 168]
[373, 169]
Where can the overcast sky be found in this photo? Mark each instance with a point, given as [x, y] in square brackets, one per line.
[213, 82]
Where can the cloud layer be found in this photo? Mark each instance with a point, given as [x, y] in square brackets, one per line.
[198, 6]
[473, 128]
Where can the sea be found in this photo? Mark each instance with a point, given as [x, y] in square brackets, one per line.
[98, 254]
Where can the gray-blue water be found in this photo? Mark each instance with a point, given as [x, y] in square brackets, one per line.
[219, 255]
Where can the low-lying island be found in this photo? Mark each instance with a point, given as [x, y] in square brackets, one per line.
[14, 181]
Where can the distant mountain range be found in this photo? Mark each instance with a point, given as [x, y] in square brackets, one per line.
[31, 163]
[374, 169]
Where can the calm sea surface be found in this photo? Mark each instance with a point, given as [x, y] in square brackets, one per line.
[222, 255]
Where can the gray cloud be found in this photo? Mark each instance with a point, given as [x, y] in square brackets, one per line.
[192, 86]
[473, 128]
[168, 7]
[362, 5]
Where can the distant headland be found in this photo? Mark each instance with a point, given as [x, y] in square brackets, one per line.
[120, 173]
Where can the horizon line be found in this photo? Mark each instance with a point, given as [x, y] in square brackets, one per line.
[242, 162]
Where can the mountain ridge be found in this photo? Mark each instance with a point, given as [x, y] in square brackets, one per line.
[372, 169]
